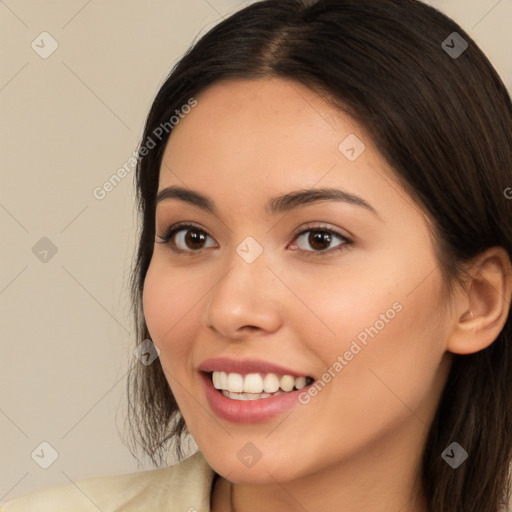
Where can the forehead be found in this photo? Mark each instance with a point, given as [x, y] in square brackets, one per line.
[247, 140]
[271, 109]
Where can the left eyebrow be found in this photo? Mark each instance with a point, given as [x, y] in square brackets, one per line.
[300, 198]
[275, 205]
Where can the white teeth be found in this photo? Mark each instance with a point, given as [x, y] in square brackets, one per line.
[253, 383]
[256, 384]
[223, 380]
[287, 382]
[300, 382]
[250, 396]
[235, 382]
[270, 383]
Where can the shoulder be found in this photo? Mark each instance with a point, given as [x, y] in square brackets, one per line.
[183, 487]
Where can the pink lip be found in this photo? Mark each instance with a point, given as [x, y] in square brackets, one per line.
[245, 366]
[248, 411]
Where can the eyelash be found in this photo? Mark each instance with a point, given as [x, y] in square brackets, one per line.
[323, 229]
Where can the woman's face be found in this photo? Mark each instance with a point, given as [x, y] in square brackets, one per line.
[346, 291]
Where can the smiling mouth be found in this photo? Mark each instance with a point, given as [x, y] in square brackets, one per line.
[254, 386]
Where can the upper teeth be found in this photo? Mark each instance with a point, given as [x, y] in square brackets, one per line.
[256, 382]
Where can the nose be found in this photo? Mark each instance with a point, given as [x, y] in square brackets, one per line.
[246, 300]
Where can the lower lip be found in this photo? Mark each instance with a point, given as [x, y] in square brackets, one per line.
[248, 411]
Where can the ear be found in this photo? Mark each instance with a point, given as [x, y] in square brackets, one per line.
[483, 305]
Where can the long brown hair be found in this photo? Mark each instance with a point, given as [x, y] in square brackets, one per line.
[440, 115]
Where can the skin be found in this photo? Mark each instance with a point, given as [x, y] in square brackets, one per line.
[356, 446]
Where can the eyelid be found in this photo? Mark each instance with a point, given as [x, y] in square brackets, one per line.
[175, 228]
[180, 226]
[320, 225]
[346, 241]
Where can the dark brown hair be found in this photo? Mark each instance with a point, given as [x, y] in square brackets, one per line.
[442, 121]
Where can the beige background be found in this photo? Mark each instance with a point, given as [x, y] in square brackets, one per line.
[68, 122]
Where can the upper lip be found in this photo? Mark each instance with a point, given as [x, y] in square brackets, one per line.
[245, 366]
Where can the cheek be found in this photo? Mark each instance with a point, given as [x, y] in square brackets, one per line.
[171, 309]
[383, 326]
[392, 353]
[335, 308]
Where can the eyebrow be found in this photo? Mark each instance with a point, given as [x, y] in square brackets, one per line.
[275, 205]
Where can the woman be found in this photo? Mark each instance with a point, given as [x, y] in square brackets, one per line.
[323, 277]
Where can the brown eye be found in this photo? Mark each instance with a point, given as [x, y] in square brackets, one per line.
[319, 239]
[185, 238]
[194, 239]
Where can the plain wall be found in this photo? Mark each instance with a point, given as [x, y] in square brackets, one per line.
[67, 123]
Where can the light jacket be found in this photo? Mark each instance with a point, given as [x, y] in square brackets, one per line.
[183, 487]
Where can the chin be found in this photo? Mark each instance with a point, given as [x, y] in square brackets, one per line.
[266, 470]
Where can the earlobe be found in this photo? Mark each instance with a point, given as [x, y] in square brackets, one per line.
[488, 294]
